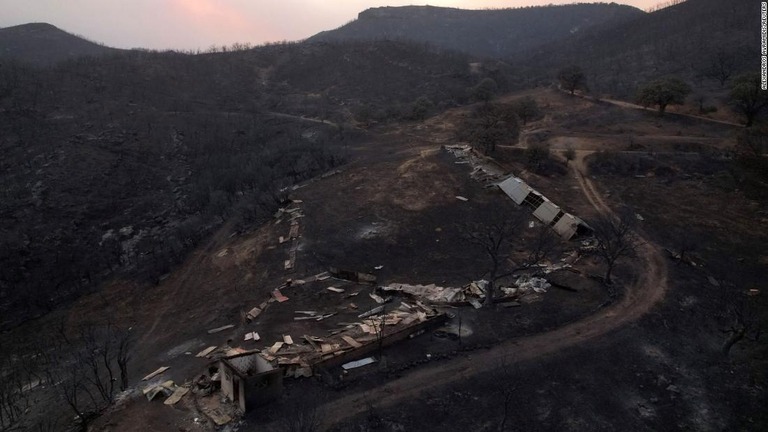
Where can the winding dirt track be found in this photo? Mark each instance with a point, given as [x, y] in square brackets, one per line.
[639, 298]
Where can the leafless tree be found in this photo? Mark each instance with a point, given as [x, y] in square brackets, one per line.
[738, 314]
[616, 239]
[721, 67]
[496, 239]
[742, 322]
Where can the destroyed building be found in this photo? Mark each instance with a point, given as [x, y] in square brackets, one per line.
[249, 380]
[565, 224]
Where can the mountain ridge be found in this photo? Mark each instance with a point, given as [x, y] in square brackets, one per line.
[489, 32]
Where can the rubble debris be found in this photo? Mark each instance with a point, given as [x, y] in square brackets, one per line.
[352, 306]
[176, 396]
[253, 313]
[538, 285]
[475, 303]
[277, 295]
[166, 389]
[351, 341]
[309, 313]
[288, 339]
[373, 311]
[252, 336]
[377, 298]
[334, 289]
[294, 232]
[276, 347]
[155, 373]
[206, 352]
[358, 363]
[438, 294]
[236, 351]
[221, 329]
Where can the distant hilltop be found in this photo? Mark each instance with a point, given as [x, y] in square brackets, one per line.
[43, 44]
[494, 33]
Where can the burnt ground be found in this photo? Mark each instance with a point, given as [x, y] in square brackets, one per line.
[571, 361]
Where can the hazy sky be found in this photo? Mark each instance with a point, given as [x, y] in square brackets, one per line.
[191, 24]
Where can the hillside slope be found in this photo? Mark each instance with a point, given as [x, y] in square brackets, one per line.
[683, 40]
[42, 44]
[118, 166]
[494, 33]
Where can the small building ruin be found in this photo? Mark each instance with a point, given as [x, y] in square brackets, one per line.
[249, 380]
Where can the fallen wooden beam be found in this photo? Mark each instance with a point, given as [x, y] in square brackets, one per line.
[155, 373]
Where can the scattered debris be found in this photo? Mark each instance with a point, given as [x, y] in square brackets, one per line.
[206, 352]
[334, 289]
[378, 267]
[639, 217]
[252, 336]
[437, 294]
[351, 341]
[373, 311]
[221, 329]
[713, 281]
[288, 339]
[377, 298]
[753, 292]
[277, 295]
[538, 285]
[166, 388]
[155, 373]
[310, 313]
[358, 363]
[461, 198]
[253, 313]
[276, 347]
[475, 303]
[176, 396]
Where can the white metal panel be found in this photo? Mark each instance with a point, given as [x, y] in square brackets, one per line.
[546, 212]
[567, 226]
[515, 189]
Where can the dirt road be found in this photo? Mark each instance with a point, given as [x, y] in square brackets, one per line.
[639, 298]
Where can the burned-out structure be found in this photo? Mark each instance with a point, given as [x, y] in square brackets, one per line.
[565, 224]
[249, 380]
